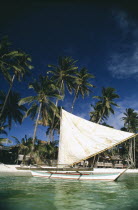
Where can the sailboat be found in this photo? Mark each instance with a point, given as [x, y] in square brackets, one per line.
[81, 139]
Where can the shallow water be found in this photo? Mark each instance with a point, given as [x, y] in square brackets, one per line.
[26, 193]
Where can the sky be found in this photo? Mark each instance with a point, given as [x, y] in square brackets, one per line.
[101, 35]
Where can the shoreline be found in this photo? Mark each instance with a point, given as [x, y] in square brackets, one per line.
[10, 170]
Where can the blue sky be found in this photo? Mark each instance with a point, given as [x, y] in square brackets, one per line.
[103, 37]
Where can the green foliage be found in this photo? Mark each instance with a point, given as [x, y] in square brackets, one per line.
[47, 150]
[13, 62]
[2, 128]
[130, 120]
[12, 111]
[41, 104]
[64, 73]
[3, 132]
[104, 106]
[81, 84]
[42, 150]
[45, 90]
[53, 125]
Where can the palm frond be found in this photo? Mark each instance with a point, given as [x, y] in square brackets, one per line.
[28, 99]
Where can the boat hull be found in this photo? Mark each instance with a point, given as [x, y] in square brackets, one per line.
[77, 175]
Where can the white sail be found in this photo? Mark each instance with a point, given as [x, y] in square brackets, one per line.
[81, 139]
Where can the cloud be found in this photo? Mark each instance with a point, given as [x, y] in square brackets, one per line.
[123, 62]
[124, 65]
[115, 120]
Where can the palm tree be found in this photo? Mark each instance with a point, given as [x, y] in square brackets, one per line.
[131, 125]
[104, 106]
[53, 127]
[2, 129]
[48, 150]
[81, 84]
[12, 111]
[95, 114]
[130, 120]
[5, 140]
[41, 103]
[24, 147]
[63, 75]
[13, 64]
[3, 132]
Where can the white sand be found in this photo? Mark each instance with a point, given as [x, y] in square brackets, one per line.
[10, 170]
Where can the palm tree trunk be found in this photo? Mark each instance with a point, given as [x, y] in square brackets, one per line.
[74, 100]
[102, 115]
[36, 124]
[130, 151]
[98, 123]
[130, 154]
[51, 135]
[99, 120]
[59, 94]
[94, 161]
[3, 107]
[52, 126]
[134, 152]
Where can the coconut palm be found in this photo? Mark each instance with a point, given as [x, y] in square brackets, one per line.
[47, 150]
[95, 114]
[130, 120]
[3, 132]
[13, 64]
[63, 75]
[24, 146]
[53, 127]
[81, 84]
[12, 111]
[2, 129]
[5, 140]
[105, 104]
[131, 124]
[41, 103]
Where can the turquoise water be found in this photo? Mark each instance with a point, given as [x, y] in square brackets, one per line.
[26, 193]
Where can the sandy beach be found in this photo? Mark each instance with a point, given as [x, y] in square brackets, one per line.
[10, 170]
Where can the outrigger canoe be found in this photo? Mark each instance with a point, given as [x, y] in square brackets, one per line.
[76, 175]
[79, 140]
